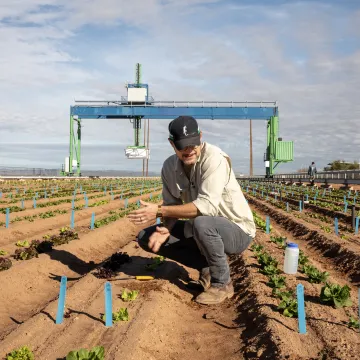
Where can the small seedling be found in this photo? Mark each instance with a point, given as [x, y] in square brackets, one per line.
[270, 270]
[335, 295]
[288, 306]
[121, 315]
[315, 276]
[279, 240]
[282, 294]
[5, 263]
[353, 323]
[24, 243]
[157, 261]
[265, 259]
[256, 248]
[23, 353]
[96, 353]
[129, 296]
[303, 259]
[277, 281]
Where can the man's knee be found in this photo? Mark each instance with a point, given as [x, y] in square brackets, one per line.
[203, 225]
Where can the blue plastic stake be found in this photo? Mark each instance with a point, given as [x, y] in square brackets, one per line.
[45, 194]
[61, 302]
[22, 203]
[307, 197]
[336, 226]
[73, 203]
[7, 217]
[0, 194]
[344, 199]
[34, 203]
[287, 206]
[72, 219]
[138, 203]
[301, 308]
[267, 225]
[108, 304]
[357, 225]
[92, 221]
[150, 196]
[300, 207]
[126, 203]
[112, 196]
[345, 207]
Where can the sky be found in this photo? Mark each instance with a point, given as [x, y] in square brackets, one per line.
[303, 54]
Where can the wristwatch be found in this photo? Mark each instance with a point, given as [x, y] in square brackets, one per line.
[159, 212]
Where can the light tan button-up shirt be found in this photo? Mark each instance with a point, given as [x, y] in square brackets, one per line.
[212, 188]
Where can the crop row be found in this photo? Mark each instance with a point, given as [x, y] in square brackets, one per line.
[29, 194]
[108, 270]
[25, 187]
[343, 231]
[331, 294]
[36, 247]
[311, 195]
[53, 213]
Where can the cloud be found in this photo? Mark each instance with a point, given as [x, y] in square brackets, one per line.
[305, 55]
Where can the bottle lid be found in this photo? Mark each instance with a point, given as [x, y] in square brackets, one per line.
[292, 245]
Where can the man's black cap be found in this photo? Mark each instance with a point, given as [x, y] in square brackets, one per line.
[184, 131]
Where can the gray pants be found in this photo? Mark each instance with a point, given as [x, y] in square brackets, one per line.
[214, 239]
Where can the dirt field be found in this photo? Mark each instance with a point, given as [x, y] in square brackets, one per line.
[164, 321]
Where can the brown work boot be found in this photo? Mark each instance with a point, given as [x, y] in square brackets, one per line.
[216, 295]
[203, 283]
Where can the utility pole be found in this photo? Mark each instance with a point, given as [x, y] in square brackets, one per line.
[148, 146]
[144, 160]
[251, 150]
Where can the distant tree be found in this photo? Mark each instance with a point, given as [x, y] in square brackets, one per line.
[304, 169]
[342, 165]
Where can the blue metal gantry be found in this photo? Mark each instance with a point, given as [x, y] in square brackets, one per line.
[139, 105]
[214, 110]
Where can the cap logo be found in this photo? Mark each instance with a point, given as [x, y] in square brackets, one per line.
[185, 131]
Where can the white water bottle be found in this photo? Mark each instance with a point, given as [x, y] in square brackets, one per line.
[291, 258]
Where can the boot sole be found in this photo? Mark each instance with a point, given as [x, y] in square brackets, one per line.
[228, 296]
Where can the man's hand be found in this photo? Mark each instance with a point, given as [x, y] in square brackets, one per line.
[145, 214]
[157, 238]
